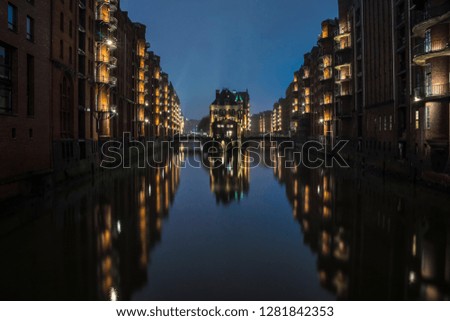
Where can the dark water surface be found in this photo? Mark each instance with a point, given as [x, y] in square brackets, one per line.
[230, 233]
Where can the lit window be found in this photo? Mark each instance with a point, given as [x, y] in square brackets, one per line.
[390, 123]
[417, 119]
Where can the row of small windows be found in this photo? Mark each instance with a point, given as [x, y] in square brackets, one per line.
[383, 124]
[13, 22]
[231, 112]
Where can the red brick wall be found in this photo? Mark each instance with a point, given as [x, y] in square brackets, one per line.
[25, 154]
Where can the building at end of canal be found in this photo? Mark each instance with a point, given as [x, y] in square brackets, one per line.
[230, 115]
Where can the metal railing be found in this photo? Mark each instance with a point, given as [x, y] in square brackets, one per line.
[343, 45]
[430, 13]
[113, 61]
[343, 92]
[440, 90]
[427, 47]
[342, 30]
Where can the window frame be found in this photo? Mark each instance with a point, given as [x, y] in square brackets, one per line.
[30, 28]
[12, 25]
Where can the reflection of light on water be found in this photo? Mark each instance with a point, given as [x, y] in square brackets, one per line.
[412, 277]
[318, 190]
[119, 227]
[149, 190]
[113, 294]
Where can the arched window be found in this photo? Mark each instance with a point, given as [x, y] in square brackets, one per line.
[66, 107]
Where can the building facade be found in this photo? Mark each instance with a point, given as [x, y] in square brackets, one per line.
[25, 123]
[230, 115]
[378, 78]
[74, 74]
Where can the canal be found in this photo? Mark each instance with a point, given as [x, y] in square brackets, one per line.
[240, 231]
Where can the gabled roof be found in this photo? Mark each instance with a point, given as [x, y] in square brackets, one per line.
[232, 98]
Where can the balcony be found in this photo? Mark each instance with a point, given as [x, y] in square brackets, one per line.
[342, 93]
[342, 32]
[112, 7]
[342, 78]
[344, 45]
[113, 23]
[432, 92]
[426, 50]
[343, 58]
[113, 62]
[423, 20]
[112, 81]
[344, 110]
[111, 42]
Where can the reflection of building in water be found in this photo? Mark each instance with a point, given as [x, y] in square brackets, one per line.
[371, 243]
[134, 215]
[230, 181]
[107, 230]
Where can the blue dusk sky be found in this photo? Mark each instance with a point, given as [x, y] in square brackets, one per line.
[237, 44]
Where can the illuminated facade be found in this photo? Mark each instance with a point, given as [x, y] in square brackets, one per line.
[105, 45]
[383, 87]
[282, 117]
[431, 58]
[95, 80]
[230, 114]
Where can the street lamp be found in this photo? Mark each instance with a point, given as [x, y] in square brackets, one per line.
[102, 115]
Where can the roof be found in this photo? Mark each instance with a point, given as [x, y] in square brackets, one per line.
[232, 98]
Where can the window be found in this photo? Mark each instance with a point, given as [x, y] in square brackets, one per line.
[66, 107]
[30, 28]
[379, 124]
[30, 85]
[417, 119]
[385, 123]
[61, 22]
[12, 17]
[5, 80]
[390, 123]
[61, 49]
[428, 117]
[70, 28]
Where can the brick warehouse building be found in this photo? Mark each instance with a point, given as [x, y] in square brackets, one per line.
[25, 90]
[390, 93]
[60, 104]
